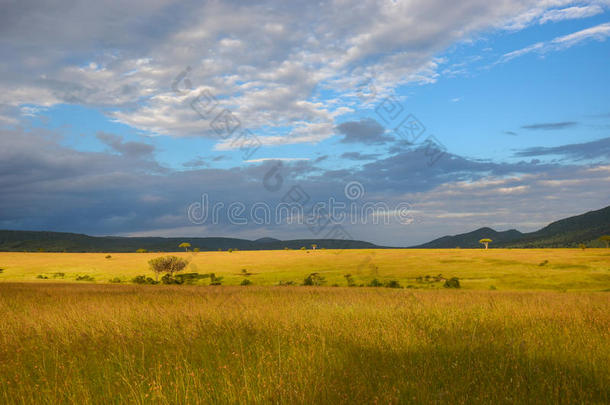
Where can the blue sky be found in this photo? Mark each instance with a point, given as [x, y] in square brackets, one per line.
[100, 136]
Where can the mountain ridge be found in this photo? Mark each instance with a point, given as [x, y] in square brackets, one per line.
[567, 232]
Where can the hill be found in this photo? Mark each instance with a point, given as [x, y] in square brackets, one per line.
[19, 241]
[568, 232]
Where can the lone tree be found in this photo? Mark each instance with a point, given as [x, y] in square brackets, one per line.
[185, 245]
[485, 242]
[314, 246]
[606, 240]
[167, 264]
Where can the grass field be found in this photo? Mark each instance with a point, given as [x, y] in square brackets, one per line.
[542, 337]
[505, 269]
[87, 343]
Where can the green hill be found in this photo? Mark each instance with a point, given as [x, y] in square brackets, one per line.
[569, 232]
[74, 242]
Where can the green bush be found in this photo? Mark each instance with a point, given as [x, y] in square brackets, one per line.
[215, 280]
[453, 282]
[42, 276]
[393, 284]
[190, 278]
[168, 279]
[314, 279]
[350, 280]
[141, 251]
[115, 280]
[143, 280]
[108, 257]
[85, 277]
[375, 283]
[245, 281]
[59, 275]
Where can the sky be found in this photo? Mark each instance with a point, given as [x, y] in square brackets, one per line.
[393, 122]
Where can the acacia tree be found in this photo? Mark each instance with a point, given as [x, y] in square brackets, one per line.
[485, 242]
[167, 264]
[314, 246]
[606, 240]
[185, 245]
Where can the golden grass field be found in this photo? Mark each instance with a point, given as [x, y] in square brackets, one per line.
[513, 269]
[542, 337]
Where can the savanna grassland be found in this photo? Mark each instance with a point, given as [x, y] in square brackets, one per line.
[504, 269]
[542, 336]
[87, 343]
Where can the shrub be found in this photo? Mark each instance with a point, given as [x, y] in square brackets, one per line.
[59, 275]
[245, 281]
[375, 283]
[1, 271]
[115, 280]
[544, 263]
[286, 283]
[168, 279]
[196, 250]
[141, 251]
[108, 257]
[393, 284]
[492, 287]
[314, 279]
[85, 277]
[42, 276]
[230, 250]
[143, 280]
[453, 282]
[350, 280]
[190, 278]
[215, 280]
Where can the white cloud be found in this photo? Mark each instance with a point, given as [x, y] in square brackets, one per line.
[599, 33]
[571, 13]
[266, 62]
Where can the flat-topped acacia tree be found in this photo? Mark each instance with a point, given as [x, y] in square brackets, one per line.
[185, 245]
[606, 240]
[486, 242]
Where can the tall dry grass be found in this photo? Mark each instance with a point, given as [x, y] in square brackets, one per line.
[104, 344]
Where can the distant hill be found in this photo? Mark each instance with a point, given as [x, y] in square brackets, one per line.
[471, 239]
[73, 242]
[569, 232]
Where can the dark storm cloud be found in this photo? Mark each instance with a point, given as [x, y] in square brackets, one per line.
[130, 149]
[366, 131]
[359, 156]
[53, 187]
[578, 151]
[550, 126]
